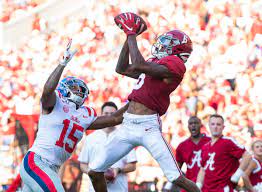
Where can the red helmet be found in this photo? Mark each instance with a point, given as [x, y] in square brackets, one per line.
[173, 43]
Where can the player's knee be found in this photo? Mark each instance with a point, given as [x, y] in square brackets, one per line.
[95, 176]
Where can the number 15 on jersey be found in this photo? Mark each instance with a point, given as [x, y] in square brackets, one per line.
[71, 136]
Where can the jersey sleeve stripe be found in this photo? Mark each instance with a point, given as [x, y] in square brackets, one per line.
[94, 111]
[234, 141]
[59, 94]
[88, 110]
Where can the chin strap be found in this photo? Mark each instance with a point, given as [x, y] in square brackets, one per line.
[183, 56]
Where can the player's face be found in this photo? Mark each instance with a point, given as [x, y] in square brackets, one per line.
[108, 110]
[216, 126]
[258, 148]
[194, 125]
[77, 90]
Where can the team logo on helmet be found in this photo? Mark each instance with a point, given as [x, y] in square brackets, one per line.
[65, 108]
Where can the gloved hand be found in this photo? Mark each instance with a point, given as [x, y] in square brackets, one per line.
[130, 23]
[68, 54]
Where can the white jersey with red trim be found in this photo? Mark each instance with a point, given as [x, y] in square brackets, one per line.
[61, 130]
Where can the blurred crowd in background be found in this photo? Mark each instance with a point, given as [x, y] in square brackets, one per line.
[223, 73]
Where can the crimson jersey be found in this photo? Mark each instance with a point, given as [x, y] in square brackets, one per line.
[190, 153]
[153, 92]
[256, 175]
[220, 162]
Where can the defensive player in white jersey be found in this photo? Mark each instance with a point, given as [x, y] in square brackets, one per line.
[63, 120]
[116, 175]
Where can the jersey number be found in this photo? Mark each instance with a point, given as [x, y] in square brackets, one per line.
[140, 82]
[71, 136]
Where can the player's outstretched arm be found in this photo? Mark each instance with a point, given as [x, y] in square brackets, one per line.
[48, 97]
[109, 121]
[123, 66]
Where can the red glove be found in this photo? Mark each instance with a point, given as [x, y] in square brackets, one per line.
[129, 22]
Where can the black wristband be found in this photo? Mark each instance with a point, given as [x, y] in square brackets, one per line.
[119, 171]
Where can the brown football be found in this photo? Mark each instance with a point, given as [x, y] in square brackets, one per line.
[142, 27]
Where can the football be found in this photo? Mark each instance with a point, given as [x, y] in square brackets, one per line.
[142, 27]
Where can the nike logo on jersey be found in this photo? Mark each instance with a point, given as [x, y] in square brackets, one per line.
[73, 118]
[148, 129]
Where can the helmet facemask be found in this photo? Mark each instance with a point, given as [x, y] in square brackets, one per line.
[168, 44]
[164, 45]
[76, 90]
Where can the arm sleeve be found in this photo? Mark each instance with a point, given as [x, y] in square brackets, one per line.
[91, 113]
[235, 149]
[174, 65]
[94, 115]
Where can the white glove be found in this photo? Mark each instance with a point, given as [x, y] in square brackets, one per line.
[68, 55]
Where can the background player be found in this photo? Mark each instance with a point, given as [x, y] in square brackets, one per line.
[253, 174]
[63, 120]
[157, 79]
[189, 151]
[220, 169]
[116, 177]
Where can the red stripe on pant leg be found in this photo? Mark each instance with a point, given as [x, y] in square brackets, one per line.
[172, 155]
[40, 173]
[170, 150]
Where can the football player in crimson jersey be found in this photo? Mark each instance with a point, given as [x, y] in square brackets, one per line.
[220, 168]
[253, 174]
[189, 151]
[156, 78]
[62, 122]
